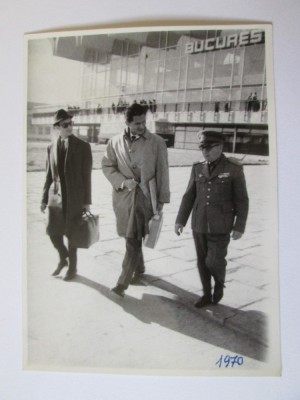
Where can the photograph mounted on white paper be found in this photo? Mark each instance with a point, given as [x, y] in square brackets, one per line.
[151, 237]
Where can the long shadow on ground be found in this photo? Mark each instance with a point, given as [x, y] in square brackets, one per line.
[172, 313]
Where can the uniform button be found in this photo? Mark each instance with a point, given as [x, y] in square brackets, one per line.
[129, 151]
[209, 183]
[207, 203]
[209, 189]
[208, 197]
[134, 166]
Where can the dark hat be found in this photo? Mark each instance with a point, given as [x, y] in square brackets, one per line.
[210, 137]
[61, 115]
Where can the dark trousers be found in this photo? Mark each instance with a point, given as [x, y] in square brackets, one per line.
[211, 252]
[64, 252]
[133, 261]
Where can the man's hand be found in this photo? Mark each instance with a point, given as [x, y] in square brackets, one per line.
[87, 207]
[160, 207]
[130, 184]
[43, 207]
[178, 229]
[236, 235]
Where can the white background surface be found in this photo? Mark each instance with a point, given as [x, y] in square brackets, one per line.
[18, 17]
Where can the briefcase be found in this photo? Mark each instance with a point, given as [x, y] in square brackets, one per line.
[155, 225]
[85, 231]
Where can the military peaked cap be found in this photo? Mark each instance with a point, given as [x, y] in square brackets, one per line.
[210, 137]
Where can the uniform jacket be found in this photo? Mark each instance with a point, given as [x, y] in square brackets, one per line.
[219, 202]
[144, 159]
[77, 172]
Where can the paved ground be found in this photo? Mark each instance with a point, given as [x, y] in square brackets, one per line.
[79, 324]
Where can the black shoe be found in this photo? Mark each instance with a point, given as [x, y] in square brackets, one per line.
[119, 290]
[218, 292]
[61, 264]
[70, 275]
[204, 301]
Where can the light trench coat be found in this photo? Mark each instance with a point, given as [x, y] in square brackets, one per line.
[142, 160]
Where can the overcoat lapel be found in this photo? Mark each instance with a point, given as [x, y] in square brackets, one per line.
[70, 151]
[124, 158]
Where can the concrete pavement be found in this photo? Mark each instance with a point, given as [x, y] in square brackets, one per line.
[170, 285]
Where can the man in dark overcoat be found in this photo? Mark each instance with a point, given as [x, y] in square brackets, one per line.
[217, 194]
[67, 189]
[135, 160]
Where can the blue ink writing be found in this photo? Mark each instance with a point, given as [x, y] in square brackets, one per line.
[229, 361]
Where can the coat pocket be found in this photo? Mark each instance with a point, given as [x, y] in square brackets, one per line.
[228, 207]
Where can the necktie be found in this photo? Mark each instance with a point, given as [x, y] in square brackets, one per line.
[133, 137]
[211, 166]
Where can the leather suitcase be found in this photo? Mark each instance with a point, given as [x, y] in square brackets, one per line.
[85, 231]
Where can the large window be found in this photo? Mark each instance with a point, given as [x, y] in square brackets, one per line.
[132, 73]
[150, 76]
[209, 63]
[224, 60]
[254, 64]
[171, 74]
[195, 70]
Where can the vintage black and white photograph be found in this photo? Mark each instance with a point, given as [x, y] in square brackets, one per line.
[151, 227]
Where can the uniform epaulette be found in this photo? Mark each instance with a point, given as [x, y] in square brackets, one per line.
[234, 161]
[198, 162]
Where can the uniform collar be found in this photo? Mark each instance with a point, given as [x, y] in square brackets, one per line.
[216, 162]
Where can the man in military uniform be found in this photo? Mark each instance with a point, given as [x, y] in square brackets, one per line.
[217, 194]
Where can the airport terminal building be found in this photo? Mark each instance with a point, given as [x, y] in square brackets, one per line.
[187, 80]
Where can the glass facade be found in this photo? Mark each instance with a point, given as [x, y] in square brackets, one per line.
[177, 79]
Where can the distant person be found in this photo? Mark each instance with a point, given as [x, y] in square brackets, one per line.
[217, 106]
[132, 159]
[250, 102]
[265, 105]
[217, 194]
[151, 106]
[255, 103]
[154, 105]
[113, 107]
[68, 173]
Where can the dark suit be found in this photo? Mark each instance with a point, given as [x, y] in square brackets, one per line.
[219, 201]
[73, 171]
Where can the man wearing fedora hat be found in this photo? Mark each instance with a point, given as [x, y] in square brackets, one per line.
[217, 194]
[67, 189]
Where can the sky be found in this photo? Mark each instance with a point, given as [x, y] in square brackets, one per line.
[51, 80]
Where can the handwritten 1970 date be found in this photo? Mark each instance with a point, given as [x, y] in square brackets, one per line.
[230, 361]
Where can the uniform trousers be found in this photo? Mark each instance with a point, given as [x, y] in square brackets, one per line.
[211, 251]
[133, 261]
[71, 252]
